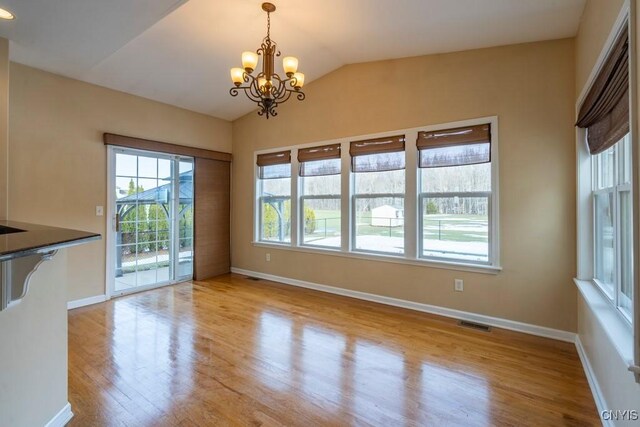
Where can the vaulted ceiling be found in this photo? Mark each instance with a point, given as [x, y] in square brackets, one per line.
[179, 51]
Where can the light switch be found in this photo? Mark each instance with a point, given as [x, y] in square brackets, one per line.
[99, 210]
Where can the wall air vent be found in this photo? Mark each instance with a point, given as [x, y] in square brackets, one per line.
[476, 326]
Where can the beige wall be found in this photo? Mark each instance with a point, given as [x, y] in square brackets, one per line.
[530, 87]
[58, 162]
[596, 23]
[33, 354]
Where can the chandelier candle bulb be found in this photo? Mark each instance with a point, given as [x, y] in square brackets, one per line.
[290, 65]
[249, 61]
[237, 76]
[5, 14]
[299, 80]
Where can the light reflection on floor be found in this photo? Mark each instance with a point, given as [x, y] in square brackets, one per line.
[147, 348]
[343, 373]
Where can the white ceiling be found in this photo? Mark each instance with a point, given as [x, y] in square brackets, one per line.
[180, 51]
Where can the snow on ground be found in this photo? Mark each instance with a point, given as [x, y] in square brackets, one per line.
[469, 251]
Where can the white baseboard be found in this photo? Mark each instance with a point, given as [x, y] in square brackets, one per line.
[86, 301]
[598, 397]
[62, 418]
[426, 308]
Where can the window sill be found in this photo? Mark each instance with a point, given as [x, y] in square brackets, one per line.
[617, 329]
[474, 268]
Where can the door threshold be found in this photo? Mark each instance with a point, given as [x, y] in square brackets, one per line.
[149, 287]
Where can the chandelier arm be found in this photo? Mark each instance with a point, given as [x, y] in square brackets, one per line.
[283, 90]
[247, 91]
[255, 90]
[282, 93]
[278, 91]
[285, 97]
[251, 89]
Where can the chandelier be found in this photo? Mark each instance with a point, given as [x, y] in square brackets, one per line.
[267, 88]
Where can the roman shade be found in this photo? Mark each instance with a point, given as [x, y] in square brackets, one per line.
[378, 155]
[318, 161]
[274, 165]
[270, 159]
[212, 213]
[466, 145]
[605, 110]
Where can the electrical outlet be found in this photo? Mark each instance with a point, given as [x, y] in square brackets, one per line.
[458, 285]
[99, 210]
[268, 257]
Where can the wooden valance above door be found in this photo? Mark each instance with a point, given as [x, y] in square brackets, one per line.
[164, 147]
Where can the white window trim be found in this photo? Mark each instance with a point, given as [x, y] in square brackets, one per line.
[302, 198]
[354, 199]
[614, 294]
[411, 196]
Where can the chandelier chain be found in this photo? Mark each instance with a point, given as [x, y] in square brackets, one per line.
[268, 26]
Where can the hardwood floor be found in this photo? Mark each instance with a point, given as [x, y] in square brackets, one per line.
[232, 351]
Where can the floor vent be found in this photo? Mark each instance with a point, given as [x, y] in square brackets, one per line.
[476, 326]
[255, 279]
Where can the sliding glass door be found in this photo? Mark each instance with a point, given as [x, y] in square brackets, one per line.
[152, 219]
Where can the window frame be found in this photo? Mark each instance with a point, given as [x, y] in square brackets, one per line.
[493, 232]
[412, 204]
[475, 194]
[354, 214]
[259, 198]
[614, 295]
[301, 197]
[301, 224]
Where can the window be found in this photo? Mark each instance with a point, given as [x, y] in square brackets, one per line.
[274, 189]
[455, 194]
[357, 198]
[611, 172]
[379, 187]
[320, 196]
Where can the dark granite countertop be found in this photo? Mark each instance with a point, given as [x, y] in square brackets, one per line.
[33, 238]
